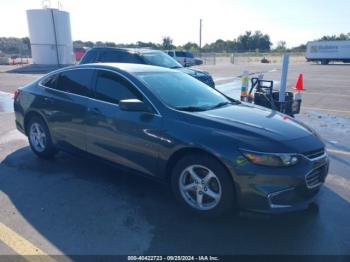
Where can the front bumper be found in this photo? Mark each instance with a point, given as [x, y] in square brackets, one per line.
[277, 190]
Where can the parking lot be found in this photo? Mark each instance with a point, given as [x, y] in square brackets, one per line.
[74, 206]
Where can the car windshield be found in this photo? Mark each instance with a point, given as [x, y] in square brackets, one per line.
[160, 59]
[183, 92]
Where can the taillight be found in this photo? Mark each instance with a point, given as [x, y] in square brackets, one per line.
[16, 94]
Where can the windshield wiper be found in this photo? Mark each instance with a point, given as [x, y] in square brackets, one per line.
[191, 108]
[220, 105]
[175, 67]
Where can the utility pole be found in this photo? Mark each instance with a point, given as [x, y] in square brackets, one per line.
[200, 35]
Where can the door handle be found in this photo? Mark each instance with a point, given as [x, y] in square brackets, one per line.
[48, 100]
[94, 109]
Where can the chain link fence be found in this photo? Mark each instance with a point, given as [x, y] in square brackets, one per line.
[249, 57]
[207, 58]
[263, 57]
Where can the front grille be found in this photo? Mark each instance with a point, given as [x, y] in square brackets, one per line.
[314, 154]
[315, 178]
[291, 196]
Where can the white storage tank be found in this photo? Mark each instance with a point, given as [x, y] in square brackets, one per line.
[50, 36]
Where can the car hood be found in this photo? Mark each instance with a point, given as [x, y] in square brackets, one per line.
[193, 72]
[258, 122]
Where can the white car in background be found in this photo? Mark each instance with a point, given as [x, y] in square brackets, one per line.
[185, 58]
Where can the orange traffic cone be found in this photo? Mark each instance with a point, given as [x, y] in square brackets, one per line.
[299, 86]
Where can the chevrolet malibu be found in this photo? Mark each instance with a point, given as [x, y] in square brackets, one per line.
[216, 153]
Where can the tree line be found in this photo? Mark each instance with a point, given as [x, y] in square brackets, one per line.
[247, 42]
[14, 45]
[336, 37]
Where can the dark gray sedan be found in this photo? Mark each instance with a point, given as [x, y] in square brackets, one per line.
[215, 152]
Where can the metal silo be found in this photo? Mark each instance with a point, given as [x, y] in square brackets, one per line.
[50, 36]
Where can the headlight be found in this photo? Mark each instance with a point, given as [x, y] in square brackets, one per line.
[271, 159]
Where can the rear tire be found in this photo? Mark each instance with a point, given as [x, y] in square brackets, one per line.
[203, 185]
[324, 62]
[40, 139]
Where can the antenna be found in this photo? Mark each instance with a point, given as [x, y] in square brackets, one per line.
[46, 3]
[59, 5]
[200, 35]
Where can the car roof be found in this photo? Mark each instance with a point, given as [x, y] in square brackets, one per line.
[127, 67]
[177, 50]
[120, 49]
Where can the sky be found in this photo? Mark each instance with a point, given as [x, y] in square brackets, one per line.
[129, 21]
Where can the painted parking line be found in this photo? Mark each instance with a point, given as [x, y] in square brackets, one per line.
[338, 180]
[6, 93]
[22, 246]
[234, 85]
[338, 152]
[339, 184]
[218, 79]
[6, 102]
[231, 89]
[224, 78]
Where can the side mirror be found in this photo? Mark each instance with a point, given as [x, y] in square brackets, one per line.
[134, 105]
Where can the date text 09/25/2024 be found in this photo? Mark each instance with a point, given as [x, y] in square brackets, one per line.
[173, 258]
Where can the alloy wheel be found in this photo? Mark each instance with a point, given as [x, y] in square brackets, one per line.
[37, 137]
[200, 187]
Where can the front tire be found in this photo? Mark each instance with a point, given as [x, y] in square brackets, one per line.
[203, 185]
[40, 139]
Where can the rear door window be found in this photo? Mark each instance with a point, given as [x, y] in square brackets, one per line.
[130, 58]
[119, 57]
[50, 81]
[89, 57]
[76, 81]
[112, 88]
